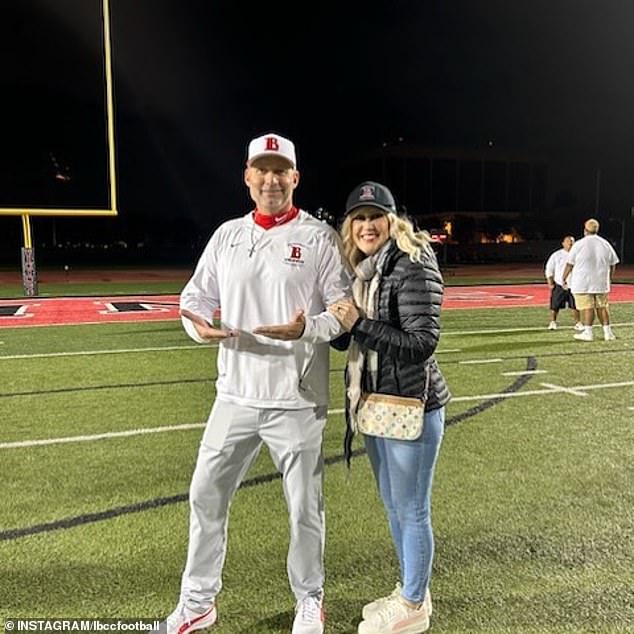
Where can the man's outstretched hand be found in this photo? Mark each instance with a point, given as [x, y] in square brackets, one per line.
[205, 329]
[286, 332]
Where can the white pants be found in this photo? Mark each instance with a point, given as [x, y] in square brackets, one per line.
[230, 444]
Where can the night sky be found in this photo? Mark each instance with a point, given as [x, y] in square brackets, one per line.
[196, 79]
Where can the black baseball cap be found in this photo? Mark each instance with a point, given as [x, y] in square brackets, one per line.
[371, 194]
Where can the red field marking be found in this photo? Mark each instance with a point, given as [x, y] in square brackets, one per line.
[92, 310]
[515, 295]
[87, 310]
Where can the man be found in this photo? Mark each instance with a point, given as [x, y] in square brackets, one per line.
[560, 295]
[272, 273]
[592, 261]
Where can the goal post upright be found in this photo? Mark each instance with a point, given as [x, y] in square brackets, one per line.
[105, 4]
[29, 273]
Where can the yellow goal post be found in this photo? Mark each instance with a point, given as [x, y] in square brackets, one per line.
[111, 210]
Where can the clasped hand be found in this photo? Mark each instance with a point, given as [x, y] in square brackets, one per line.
[346, 312]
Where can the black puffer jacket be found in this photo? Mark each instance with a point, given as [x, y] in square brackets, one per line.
[406, 328]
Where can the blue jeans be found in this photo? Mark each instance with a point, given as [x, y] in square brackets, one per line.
[404, 470]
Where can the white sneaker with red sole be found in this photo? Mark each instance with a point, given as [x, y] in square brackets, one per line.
[396, 617]
[371, 608]
[183, 620]
[309, 615]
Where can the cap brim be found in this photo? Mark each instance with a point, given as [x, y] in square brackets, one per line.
[276, 154]
[386, 210]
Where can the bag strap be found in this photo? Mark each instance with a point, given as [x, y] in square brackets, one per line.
[427, 381]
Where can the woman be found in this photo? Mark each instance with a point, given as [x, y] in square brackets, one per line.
[394, 327]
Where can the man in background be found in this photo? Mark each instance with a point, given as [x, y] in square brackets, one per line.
[592, 261]
[560, 294]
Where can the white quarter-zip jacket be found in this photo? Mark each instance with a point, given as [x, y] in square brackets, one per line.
[261, 277]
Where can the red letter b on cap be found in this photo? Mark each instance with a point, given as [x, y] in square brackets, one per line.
[272, 144]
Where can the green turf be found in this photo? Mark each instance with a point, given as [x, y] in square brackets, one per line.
[533, 497]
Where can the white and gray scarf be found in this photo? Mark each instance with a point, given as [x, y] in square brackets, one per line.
[366, 282]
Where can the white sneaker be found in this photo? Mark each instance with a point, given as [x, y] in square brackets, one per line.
[371, 608]
[309, 615]
[579, 326]
[583, 336]
[552, 325]
[396, 616]
[183, 620]
[609, 336]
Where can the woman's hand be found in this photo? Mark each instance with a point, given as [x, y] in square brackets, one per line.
[346, 312]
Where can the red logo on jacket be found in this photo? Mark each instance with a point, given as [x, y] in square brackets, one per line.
[294, 254]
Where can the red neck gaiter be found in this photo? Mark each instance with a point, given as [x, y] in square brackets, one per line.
[267, 221]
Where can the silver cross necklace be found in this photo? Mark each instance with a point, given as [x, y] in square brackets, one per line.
[254, 242]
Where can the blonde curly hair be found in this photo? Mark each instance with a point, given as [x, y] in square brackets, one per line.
[417, 244]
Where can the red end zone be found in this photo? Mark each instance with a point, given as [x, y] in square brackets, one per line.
[92, 310]
[515, 295]
[86, 310]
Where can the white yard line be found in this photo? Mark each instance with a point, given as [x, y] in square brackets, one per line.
[89, 438]
[484, 397]
[88, 323]
[84, 353]
[524, 372]
[576, 390]
[113, 434]
[601, 386]
[559, 388]
[457, 333]
[579, 388]
[476, 361]
[79, 353]
[150, 298]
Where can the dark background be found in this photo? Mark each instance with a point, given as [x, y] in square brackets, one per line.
[196, 80]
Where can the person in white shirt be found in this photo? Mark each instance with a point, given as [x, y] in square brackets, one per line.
[560, 295]
[272, 273]
[592, 261]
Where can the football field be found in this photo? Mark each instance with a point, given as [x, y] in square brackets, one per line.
[533, 505]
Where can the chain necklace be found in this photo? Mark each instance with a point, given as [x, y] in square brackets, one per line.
[255, 242]
[279, 220]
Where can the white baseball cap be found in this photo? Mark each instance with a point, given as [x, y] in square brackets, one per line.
[272, 144]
